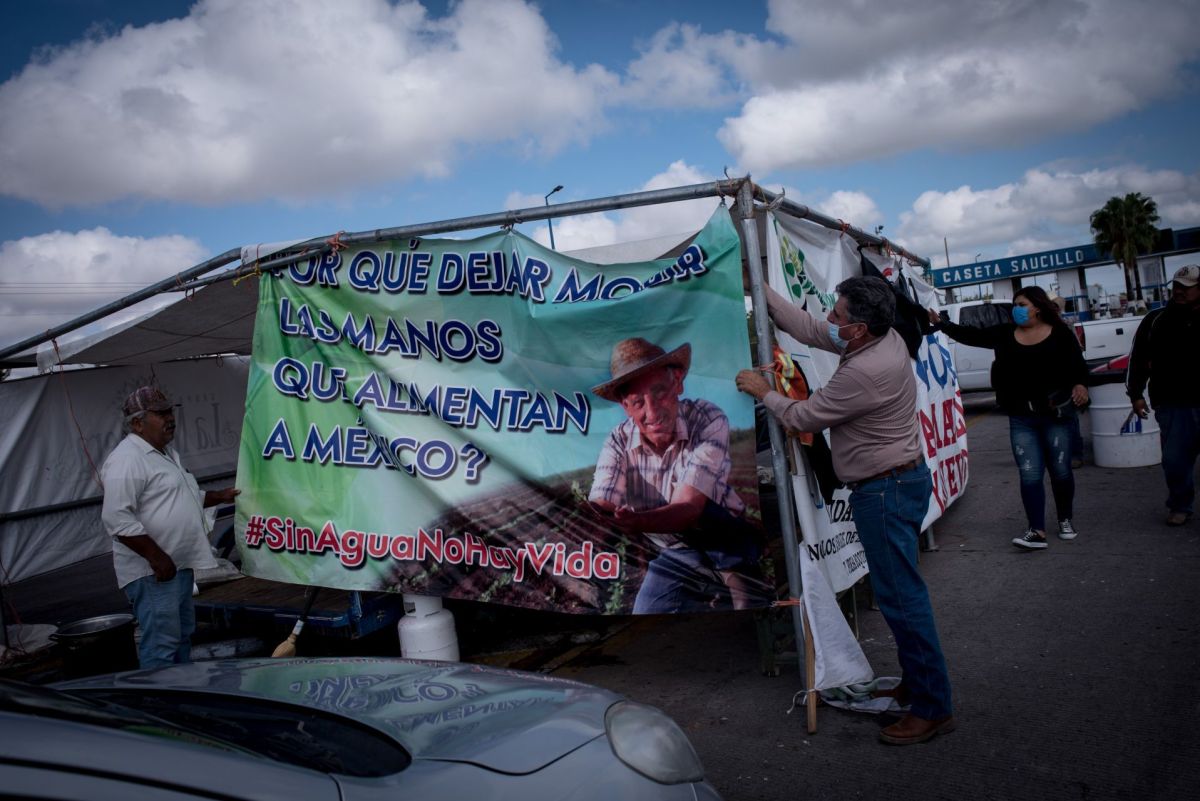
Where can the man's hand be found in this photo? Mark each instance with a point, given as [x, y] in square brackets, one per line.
[629, 521]
[1140, 408]
[1079, 395]
[752, 383]
[604, 512]
[145, 547]
[599, 510]
[216, 497]
[163, 566]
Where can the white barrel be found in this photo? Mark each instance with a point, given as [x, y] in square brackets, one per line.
[427, 630]
[1109, 412]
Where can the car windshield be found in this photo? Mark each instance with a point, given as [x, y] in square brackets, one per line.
[44, 702]
[281, 732]
[295, 735]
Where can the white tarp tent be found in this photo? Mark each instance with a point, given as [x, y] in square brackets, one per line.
[58, 426]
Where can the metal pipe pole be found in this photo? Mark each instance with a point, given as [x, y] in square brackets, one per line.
[783, 488]
[142, 294]
[318, 245]
[858, 234]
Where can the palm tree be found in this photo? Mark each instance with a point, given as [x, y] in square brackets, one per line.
[1125, 227]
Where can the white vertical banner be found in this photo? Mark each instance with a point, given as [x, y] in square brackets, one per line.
[939, 400]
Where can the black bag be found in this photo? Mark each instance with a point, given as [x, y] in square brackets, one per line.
[1059, 404]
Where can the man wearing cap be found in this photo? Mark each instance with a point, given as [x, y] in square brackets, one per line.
[664, 472]
[1166, 353]
[154, 512]
[869, 407]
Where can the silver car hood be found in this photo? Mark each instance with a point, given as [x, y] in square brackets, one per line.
[504, 720]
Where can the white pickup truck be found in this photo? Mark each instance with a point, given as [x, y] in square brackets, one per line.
[1106, 338]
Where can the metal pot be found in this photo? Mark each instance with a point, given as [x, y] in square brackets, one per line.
[90, 629]
[94, 645]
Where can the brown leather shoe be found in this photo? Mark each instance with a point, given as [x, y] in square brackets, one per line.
[912, 729]
[1177, 518]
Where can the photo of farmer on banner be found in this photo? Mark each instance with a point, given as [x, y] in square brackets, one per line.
[664, 472]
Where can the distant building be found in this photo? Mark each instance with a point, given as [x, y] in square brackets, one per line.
[1090, 285]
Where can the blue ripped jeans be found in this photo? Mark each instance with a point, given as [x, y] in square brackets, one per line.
[166, 618]
[1041, 444]
[888, 513]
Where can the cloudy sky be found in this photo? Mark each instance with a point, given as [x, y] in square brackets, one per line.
[139, 137]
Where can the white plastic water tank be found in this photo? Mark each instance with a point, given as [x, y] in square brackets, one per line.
[427, 630]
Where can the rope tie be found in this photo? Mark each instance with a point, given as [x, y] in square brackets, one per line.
[845, 227]
[335, 242]
[251, 273]
[778, 201]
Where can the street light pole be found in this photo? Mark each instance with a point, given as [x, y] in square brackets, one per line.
[550, 222]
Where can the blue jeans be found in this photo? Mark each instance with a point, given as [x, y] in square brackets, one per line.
[1040, 444]
[678, 580]
[1179, 430]
[166, 618]
[888, 513]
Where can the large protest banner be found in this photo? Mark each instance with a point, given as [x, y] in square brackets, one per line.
[806, 262]
[433, 415]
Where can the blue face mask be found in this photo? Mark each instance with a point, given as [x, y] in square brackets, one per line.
[835, 335]
[1020, 315]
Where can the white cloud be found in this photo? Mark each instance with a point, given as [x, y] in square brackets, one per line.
[51, 278]
[520, 200]
[240, 101]
[584, 231]
[1046, 209]
[843, 82]
[684, 68]
[855, 208]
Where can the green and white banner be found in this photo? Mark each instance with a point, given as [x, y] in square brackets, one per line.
[420, 417]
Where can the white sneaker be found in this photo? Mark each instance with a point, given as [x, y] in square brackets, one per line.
[1066, 531]
[1032, 540]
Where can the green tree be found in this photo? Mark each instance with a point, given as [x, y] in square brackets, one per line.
[1124, 227]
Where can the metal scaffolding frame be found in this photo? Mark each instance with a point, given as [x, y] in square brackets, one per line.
[743, 190]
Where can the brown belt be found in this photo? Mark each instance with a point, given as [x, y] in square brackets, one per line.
[900, 468]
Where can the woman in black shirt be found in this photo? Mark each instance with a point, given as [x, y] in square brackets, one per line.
[1039, 376]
